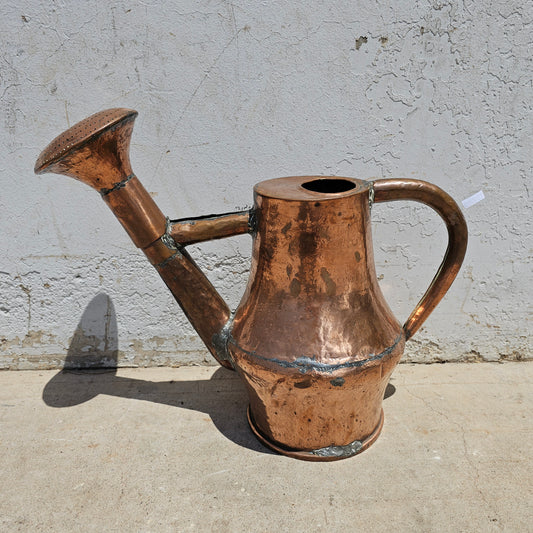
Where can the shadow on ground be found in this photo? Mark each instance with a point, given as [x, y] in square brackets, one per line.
[90, 369]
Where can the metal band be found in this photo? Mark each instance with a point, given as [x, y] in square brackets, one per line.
[339, 451]
[306, 364]
[167, 260]
[117, 186]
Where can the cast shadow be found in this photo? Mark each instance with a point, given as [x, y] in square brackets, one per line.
[390, 389]
[91, 365]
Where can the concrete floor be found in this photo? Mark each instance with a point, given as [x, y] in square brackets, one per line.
[155, 450]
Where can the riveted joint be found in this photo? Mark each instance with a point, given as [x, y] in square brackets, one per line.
[167, 239]
[252, 222]
[221, 339]
[371, 194]
[164, 249]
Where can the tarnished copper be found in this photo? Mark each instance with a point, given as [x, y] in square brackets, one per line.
[96, 151]
[137, 212]
[189, 231]
[201, 303]
[312, 338]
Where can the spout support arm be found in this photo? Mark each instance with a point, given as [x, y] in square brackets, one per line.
[192, 230]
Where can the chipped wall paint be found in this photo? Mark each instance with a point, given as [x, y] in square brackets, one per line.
[232, 93]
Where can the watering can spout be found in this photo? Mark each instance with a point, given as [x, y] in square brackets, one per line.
[96, 152]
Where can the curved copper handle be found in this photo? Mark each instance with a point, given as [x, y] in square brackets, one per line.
[431, 195]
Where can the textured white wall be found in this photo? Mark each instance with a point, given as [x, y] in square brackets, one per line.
[229, 94]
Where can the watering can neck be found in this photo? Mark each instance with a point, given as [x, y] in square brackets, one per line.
[311, 188]
[313, 230]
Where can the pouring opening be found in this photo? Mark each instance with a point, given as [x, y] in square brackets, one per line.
[329, 185]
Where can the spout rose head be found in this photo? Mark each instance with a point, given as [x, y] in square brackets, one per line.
[95, 150]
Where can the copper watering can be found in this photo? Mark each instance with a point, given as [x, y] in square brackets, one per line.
[313, 339]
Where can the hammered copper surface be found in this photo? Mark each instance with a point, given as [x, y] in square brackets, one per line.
[313, 338]
[320, 454]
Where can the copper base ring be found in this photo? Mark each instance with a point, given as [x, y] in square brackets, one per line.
[330, 453]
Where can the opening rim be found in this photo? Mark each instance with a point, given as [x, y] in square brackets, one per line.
[329, 185]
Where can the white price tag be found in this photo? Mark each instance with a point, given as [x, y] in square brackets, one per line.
[474, 199]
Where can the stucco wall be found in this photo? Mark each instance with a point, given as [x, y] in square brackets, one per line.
[230, 94]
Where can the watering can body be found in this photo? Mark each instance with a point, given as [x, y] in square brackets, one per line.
[313, 339]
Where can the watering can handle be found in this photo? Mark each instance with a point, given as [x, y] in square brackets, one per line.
[421, 191]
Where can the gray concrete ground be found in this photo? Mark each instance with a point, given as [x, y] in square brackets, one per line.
[169, 450]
